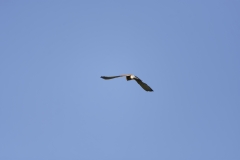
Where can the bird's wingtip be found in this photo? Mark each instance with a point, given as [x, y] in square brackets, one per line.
[104, 77]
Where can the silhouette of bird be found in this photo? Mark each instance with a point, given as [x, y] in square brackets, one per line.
[131, 77]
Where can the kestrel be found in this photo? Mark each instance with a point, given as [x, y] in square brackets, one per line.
[131, 77]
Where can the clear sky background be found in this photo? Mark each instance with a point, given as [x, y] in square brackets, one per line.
[54, 105]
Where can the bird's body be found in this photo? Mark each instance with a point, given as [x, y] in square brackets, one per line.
[131, 77]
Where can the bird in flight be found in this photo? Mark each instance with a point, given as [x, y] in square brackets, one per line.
[131, 77]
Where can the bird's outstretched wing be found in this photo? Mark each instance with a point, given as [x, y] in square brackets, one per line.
[111, 77]
[144, 85]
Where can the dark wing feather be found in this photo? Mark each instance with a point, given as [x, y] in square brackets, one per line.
[111, 77]
[144, 85]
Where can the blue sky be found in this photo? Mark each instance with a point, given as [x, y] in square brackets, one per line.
[54, 105]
